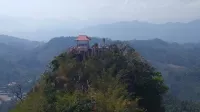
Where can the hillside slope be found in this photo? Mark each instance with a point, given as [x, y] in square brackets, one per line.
[110, 82]
[179, 64]
[16, 65]
[18, 42]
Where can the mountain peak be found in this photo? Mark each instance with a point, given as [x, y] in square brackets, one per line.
[97, 83]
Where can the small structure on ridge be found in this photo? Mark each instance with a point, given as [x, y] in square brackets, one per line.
[83, 50]
[83, 43]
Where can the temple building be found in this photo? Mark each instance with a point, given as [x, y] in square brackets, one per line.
[83, 49]
[83, 43]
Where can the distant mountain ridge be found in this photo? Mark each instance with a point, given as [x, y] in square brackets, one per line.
[18, 42]
[125, 30]
[128, 30]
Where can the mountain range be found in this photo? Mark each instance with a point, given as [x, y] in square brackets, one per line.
[125, 30]
[172, 32]
[18, 42]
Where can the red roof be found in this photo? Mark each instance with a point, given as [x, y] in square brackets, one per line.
[83, 38]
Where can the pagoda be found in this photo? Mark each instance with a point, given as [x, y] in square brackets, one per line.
[83, 43]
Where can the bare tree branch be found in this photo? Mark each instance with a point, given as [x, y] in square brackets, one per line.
[17, 91]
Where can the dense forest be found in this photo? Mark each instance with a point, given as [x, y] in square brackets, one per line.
[116, 80]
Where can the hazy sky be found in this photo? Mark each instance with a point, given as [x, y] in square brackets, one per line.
[18, 15]
[151, 10]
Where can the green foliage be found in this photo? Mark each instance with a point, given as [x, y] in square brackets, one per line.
[111, 96]
[33, 103]
[118, 80]
[73, 102]
[102, 76]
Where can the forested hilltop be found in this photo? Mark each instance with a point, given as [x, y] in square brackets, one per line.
[178, 63]
[117, 80]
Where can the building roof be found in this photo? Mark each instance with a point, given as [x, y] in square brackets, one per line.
[83, 38]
